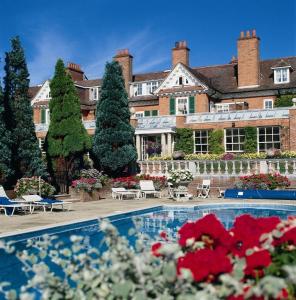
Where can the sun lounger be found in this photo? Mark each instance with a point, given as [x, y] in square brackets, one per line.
[9, 206]
[119, 193]
[45, 202]
[147, 188]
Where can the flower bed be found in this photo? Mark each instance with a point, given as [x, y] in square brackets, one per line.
[254, 260]
[32, 186]
[262, 182]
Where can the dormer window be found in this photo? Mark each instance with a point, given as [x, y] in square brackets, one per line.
[281, 75]
[138, 91]
[94, 93]
[180, 80]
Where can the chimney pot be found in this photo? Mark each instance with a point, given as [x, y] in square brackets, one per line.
[248, 33]
[242, 34]
[254, 33]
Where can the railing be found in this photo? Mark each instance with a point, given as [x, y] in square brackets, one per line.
[157, 122]
[285, 167]
[44, 127]
[237, 115]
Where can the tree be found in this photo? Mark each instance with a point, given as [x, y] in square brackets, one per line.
[184, 140]
[113, 146]
[26, 155]
[5, 144]
[67, 139]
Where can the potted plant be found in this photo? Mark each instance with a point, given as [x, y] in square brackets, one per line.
[180, 177]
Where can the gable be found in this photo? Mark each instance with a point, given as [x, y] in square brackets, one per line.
[180, 76]
[43, 93]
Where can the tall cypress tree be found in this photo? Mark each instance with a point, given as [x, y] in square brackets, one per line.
[67, 139]
[113, 146]
[5, 144]
[26, 155]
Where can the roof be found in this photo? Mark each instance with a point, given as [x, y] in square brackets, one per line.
[281, 64]
[33, 90]
[89, 83]
[150, 76]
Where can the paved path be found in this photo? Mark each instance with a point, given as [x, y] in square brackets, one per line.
[94, 209]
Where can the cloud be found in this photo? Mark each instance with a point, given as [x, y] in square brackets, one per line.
[48, 48]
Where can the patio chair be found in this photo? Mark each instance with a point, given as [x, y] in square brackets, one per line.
[10, 207]
[147, 188]
[119, 193]
[45, 202]
[204, 189]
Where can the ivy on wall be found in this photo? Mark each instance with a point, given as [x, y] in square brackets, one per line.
[216, 141]
[284, 101]
[184, 140]
[250, 143]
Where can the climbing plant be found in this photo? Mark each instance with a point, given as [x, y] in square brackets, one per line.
[250, 143]
[284, 100]
[216, 141]
[184, 140]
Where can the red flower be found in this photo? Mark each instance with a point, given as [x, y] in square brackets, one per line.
[164, 235]
[187, 231]
[154, 249]
[288, 237]
[283, 294]
[205, 264]
[256, 262]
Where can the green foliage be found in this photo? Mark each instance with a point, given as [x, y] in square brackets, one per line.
[113, 144]
[250, 143]
[216, 141]
[67, 139]
[284, 101]
[31, 186]
[26, 155]
[5, 144]
[184, 140]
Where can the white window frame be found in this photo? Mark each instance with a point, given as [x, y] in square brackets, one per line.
[267, 101]
[273, 140]
[138, 87]
[139, 114]
[151, 86]
[203, 145]
[241, 138]
[177, 105]
[94, 93]
[47, 116]
[280, 79]
[222, 107]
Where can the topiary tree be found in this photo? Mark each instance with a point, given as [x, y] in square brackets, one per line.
[26, 155]
[67, 139]
[250, 143]
[284, 101]
[113, 145]
[184, 140]
[5, 144]
[216, 141]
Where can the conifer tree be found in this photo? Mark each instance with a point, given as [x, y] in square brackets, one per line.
[26, 155]
[5, 144]
[67, 139]
[113, 145]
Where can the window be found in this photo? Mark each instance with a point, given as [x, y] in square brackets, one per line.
[153, 113]
[281, 75]
[201, 141]
[268, 104]
[94, 93]
[44, 116]
[139, 114]
[152, 86]
[138, 89]
[234, 139]
[222, 107]
[269, 138]
[41, 144]
[180, 80]
[182, 106]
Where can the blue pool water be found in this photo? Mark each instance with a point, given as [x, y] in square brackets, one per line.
[149, 221]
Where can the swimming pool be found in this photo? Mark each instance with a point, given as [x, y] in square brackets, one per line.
[149, 221]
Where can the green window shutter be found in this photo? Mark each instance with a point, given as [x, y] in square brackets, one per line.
[191, 105]
[147, 113]
[172, 106]
[154, 112]
[43, 112]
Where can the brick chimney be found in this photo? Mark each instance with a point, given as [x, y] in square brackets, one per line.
[125, 59]
[248, 58]
[180, 54]
[75, 71]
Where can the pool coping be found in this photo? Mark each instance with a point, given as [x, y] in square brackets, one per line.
[117, 212]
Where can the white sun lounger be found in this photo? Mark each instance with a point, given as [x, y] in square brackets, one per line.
[147, 188]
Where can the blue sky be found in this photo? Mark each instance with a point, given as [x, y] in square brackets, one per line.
[89, 32]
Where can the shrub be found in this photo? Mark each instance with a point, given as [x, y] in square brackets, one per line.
[95, 174]
[256, 155]
[284, 101]
[262, 181]
[164, 157]
[207, 156]
[228, 156]
[32, 186]
[216, 141]
[184, 140]
[86, 184]
[250, 143]
[256, 259]
[288, 154]
[132, 182]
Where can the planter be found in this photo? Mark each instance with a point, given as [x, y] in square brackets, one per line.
[181, 183]
[84, 196]
[261, 194]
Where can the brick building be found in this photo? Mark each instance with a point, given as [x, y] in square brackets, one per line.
[229, 97]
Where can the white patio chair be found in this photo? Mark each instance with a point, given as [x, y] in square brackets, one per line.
[204, 189]
[147, 188]
[119, 193]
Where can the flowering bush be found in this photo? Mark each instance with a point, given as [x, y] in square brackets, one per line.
[203, 156]
[254, 260]
[32, 186]
[178, 176]
[94, 173]
[163, 157]
[228, 156]
[262, 182]
[132, 182]
[86, 184]
[255, 155]
[288, 154]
